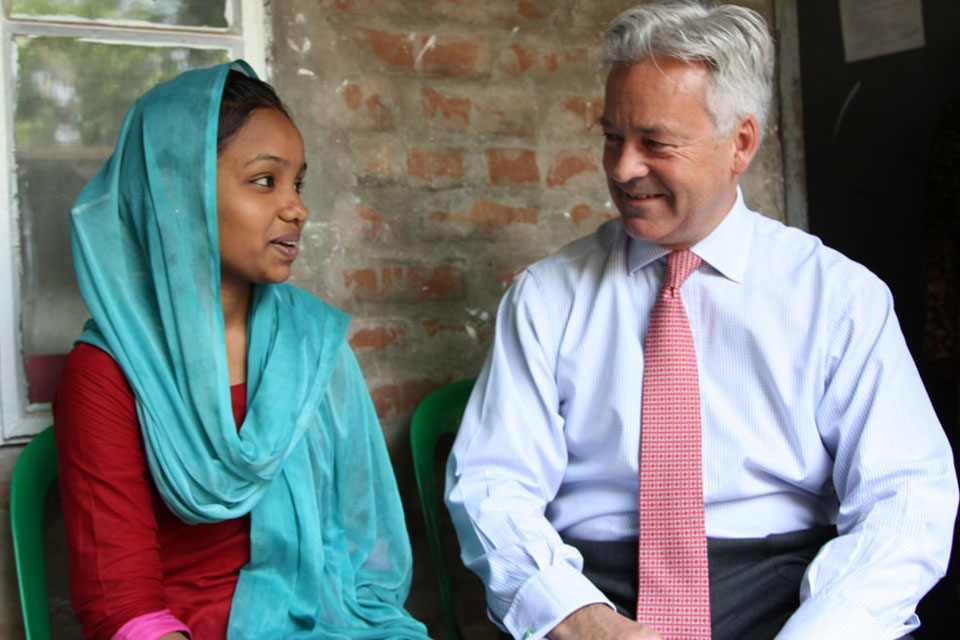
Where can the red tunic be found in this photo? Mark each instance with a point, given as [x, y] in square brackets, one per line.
[128, 554]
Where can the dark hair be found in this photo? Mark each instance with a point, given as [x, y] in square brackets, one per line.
[241, 95]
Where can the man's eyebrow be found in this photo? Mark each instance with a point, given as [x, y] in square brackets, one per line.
[653, 130]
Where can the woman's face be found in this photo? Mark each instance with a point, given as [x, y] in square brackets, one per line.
[259, 212]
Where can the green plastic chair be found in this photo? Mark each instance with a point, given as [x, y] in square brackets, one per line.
[436, 415]
[35, 469]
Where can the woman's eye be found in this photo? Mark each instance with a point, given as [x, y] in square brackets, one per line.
[298, 185]
[263, 181]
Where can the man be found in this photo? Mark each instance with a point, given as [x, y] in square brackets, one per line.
[828, 490]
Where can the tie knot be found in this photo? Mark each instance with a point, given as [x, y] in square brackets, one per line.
[680, 264]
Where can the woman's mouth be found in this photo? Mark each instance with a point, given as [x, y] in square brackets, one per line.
[286, 246]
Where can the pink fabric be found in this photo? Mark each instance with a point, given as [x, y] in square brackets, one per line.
[150, 626]
[674, 594]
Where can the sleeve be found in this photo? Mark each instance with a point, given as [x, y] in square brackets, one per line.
[373, 519]
[894, 477]
[506, 466]
[111, 531]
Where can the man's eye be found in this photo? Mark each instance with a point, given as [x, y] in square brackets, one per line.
[298, 185]
[654, 144]
[612, 138]
[263, 181]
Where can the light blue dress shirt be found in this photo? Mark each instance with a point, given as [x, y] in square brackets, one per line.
[812, 410]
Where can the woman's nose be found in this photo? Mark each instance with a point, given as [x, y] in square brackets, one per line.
[294, 210]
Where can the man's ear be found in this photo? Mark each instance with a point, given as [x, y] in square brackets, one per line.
[745, 138]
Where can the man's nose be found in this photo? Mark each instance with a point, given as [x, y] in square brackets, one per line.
[628, 163]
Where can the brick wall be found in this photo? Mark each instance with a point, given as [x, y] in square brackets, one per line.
[450, 143]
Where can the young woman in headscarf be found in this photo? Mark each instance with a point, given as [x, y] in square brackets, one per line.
[223, 473]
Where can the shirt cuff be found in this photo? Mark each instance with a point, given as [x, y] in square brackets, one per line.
[150, 626]
[836, 617]
[547, 598]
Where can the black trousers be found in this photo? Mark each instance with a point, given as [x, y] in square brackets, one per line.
[754, 583]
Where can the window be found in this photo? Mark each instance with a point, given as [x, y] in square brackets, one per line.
[70, 69]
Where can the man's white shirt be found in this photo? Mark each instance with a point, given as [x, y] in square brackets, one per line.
[808, 393]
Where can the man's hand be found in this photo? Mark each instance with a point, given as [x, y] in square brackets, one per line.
[600, 622]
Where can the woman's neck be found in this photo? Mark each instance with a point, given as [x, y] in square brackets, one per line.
[235, 302]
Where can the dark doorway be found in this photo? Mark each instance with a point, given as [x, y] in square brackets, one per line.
[879, 147]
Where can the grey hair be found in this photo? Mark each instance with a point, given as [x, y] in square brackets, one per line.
[733, 42]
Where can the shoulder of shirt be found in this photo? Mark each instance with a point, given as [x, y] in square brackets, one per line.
[90, 376]
[89, 361]
[798, 249]
[577, 256]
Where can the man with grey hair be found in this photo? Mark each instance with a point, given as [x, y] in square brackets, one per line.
[794, 481]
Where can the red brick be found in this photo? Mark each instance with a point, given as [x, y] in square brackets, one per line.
[588, 110]
[434, 326]
[440, 282]
[527, 59]
[485, 214]
[568, 165]
[363, 8]
[375, 222]
[528, 10]
[506, 274]
[508, 271]
[360, 280]
[364, 108]
[518, 166]
[353, 96]
[413, 282]
[376, 338]
[402, 398]
[430, 165]
[554, 61]
[507, 114]
[455, 59]
[580, 213]
[451, 111]
[393, 49]
[372, 159]
[491, 12]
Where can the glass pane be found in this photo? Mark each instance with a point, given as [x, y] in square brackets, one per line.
[194, 13]
[70, 99]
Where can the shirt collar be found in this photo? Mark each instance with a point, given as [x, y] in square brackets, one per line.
[726, 249]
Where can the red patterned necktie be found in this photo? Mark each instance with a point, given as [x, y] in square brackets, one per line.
[674, 594]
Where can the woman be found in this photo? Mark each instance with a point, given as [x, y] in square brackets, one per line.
[223, 473]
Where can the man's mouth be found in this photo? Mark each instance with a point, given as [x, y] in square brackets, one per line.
[641, 196]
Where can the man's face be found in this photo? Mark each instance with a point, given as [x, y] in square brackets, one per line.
[672, 178]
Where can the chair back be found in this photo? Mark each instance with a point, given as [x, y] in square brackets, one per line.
[33, 472]
[436, 415]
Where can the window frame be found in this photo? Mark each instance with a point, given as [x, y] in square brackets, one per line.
[246, 38]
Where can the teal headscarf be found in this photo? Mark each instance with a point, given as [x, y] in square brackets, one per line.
[330, 556]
